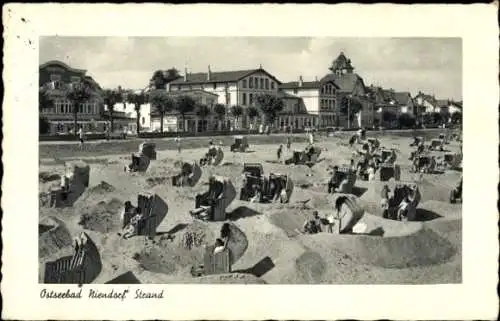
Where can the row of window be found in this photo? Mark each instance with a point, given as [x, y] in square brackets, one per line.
[65, 107]
[56, 77]
[258, 83]
[297, 122]
[328, 89]
[327, 104]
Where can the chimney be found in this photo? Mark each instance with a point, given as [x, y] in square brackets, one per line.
[301, 82]
[209, 74]
[185, 74]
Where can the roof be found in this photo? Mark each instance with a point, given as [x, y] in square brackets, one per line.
[432, 100]
[222, 76]
[402, 97]
[341, 63]
[306, 84]
[345, 82]
[284, 95]
[192, 91]
[61, 64]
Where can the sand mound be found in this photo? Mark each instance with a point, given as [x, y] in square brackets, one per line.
[310, 267]
[157, 180]
[52, 236]
[231, 278]
[102, 217]
[101, 188]
[177, 253]
[422, 248]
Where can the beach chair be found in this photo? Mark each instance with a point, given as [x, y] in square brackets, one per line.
[350, 213]
[286, 184]
[253, 175]
[388, 171]
[452, 160]
[347, 177]
[216, 207]
[154, 210]
[77, 175]
[80, 268]
[436, 144]
[148, 149]
[190, 175]
[240, 144]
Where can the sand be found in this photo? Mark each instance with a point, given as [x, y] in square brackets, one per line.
[268, 248]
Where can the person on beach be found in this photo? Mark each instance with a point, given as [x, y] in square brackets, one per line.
[334, 181]
[384, 201]
[256, 194]
[81, 136]
[313, 225]
[279, 152]
[288, 143]
[219, 246]
[178, 143]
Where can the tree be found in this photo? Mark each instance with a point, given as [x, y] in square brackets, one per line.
[270, 106]
[111, 97]
[388, 117]
[236, 112]
[78, 94]
[436, 117]
[202, 111]
[456, 118]
[184, 105]
[137, 99]
[44, 100]
[162, 77]
[445, 116]
[406, 120]
[220, 112]
[252, 113]
[350, 107]
[162, 104]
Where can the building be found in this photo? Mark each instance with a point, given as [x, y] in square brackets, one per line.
[294, 113]
[351, 88]
[448, 106]
[425, 104]
[192, 122]
[55, 77]
[231, 87]
[318, 99]
[405, 102]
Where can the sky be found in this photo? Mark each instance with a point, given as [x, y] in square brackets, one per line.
[430, 65]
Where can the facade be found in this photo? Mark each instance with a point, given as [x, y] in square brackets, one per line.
[318, 98]
[426, 103]
[405, 102]
[294, 113]
[56, 77]
[351, 88]
[192, 122]
[448, 106]
[231, 87]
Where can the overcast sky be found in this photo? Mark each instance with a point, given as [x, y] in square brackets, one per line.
[431, 65]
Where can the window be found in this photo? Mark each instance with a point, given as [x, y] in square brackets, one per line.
[294, 90]
[250, 99]
[322, 90]
[54, 77]
[256, 83]
[244, 98]
[179, 87]
[267, 84]
[143, 120]
[75, 79]
[244, 83]
[261, 83]
[272, 85]
[250, 82]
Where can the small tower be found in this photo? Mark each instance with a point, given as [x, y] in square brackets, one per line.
[342, 65]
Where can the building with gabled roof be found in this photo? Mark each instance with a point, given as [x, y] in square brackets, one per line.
[238, 87]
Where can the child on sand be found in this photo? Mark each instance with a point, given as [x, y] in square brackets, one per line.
[178, 142]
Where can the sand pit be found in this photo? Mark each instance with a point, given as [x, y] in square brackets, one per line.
[52, 236]
[268, 247]
[176, 252]
[103, 217]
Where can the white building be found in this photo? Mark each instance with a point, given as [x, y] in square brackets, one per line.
[232, 87]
